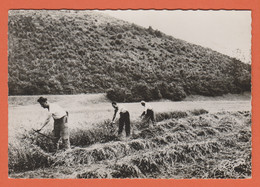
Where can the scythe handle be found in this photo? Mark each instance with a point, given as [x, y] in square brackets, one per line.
[37, 131]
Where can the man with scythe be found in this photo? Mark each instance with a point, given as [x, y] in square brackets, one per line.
[60, 117]
[148, 113]
[124, 119]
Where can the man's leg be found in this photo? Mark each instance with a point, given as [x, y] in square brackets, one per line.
[64, 133]
[56, 131]
[146, 120]
[127, 124]
[150, 116]
[121, 124]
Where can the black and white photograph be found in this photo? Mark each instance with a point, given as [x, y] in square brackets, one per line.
[119, 94]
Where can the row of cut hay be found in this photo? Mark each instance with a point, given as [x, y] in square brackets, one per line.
[152, 164]
[181, 132]
[194, 160]
[98, 153]
[175, 131]
[178, 161]
[169, 115]
[100, 133]
[105, 132]
[185, 166]
[197, 112]
[35, 150]
[118, 170]
[236, 168]
[24, 156]
[240, 140]
[207, 120]
[100, 172]
[235, 119]
[178, 114]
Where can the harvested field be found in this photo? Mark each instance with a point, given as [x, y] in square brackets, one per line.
[194, 143]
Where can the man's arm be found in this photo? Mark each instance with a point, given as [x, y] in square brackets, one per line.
[144, 112]
[46, 122]
[114, 115]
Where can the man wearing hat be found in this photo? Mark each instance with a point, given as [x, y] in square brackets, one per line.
[60, 117]
[148, 113]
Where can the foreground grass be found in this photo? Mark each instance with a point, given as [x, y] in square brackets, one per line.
[192, 144]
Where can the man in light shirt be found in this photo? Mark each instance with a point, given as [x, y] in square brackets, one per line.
[148, 113]
[60, 117]
[124, 119]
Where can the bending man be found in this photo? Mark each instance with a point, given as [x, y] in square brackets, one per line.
[60, 117]
[148, 113]
[124, 119]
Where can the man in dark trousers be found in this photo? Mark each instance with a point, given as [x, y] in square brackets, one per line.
[148, 113]
[124, 119]
[60, 117]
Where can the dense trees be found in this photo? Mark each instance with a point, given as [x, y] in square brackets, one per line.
[68, 52]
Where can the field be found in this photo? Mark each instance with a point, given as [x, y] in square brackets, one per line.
[197, 138]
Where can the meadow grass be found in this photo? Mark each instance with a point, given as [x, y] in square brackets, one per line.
[180, 145]
[186, 142]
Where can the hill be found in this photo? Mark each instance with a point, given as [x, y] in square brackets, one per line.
[73, 52]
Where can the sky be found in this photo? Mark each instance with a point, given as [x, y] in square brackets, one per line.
[225, 31]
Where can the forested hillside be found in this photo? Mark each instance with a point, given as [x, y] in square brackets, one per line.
[72, 52]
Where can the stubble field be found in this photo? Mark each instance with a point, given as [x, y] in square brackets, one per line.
[196, 138]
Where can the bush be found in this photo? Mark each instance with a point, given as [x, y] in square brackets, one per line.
[141, 91]
[171, 91]
[138, 92]
[156, 93]
[117, 94]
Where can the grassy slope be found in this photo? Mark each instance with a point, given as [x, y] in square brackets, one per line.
[68, 52]
[182, 145]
